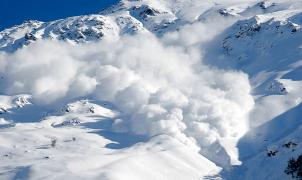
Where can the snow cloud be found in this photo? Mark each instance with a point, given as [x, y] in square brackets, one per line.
[159, 84]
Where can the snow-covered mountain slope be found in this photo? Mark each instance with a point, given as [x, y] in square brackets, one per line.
[73, 144]
[154, 89]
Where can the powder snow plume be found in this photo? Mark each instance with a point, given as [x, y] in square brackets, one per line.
[161, 85]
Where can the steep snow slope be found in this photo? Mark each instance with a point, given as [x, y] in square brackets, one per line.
[166, 100]
[267, 47]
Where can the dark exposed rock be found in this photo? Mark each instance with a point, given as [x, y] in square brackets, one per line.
[271, 153]
[30, 36]
[2, 110]
[290, 145]
[91, 110]
[145, 11]
[266, 4]
[294, 167]
[276, 87]
[74, 122]
[224, 12]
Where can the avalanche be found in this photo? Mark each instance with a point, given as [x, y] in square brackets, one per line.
[161, 89]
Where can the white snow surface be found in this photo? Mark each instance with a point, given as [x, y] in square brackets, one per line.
[154, 89]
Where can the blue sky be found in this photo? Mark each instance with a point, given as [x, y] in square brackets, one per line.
[14, 12]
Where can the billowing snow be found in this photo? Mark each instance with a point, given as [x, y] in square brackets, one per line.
[154, 90]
